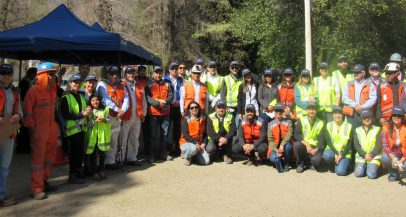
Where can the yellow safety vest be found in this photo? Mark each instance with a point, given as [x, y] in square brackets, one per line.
[216, 123]
[343, 81]
[214, 85]
[98, 133]
[367, 142]
[305, 92]
[74, 126]
[326, 94]
[339, 136]
[232, 86]
[309, 132]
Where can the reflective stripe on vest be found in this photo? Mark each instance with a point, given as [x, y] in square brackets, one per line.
[216, 123]
[159, 91]
[305, 93]
[339, 136]
[73, 126]
[309, 132]
[196, 128]
[252, 131]
[191, 96]
[232, 90]
[99, 133]
[214, 85]
[367, 142]
[326, 93]
[387, 98]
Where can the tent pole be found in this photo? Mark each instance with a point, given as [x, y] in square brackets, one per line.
[21, 68]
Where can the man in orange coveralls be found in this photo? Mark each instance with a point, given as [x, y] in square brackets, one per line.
[39, 117]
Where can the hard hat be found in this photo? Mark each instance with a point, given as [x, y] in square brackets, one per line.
[395, 58]
[46, 67]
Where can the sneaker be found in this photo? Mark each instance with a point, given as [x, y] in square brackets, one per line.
[134, 163]
[74, 179]
[227, 160]
[151, 159]
[312, 167]
[182, 155]
[49, 187]
[299, 169]
[392, 178]
[187, 162]
[169, 158]
[8, 201]
[249, 162]
[286, 168]
[40, 195]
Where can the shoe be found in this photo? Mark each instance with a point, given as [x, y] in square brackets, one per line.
[250, 162]
[102, 175]
[40, 195]
[312, 167]
[392, 178]
[299, 169]
[227, 160]
[97, 177]
[151, 159]
[74, 179]
[169, 158]
[8, 201]
[112, 167]
[134, 163]
[182, 155]
[49, 187]
[187, 162]
[286, 168]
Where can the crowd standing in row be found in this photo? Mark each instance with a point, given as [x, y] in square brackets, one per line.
[337, 118]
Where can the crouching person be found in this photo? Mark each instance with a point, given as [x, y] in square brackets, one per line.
[220, 130]
[280, 133]
[309, 136]
[339, 138]
[251, 136]
[368, 146]
[192, 142]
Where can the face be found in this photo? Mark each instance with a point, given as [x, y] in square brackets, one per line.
[343, 64]
[91, 85]
[157, 75]
[249, 113]
[397, 119]
[359, 75]
[130, 76]
[367, 121]
[174, 72]
[182, 69]
[323, 72]
[195, 76]
[84, 69]
[268, 79]
[278, 114]
[338, 117]
[95, 102]
[288, 77]
[194, 109]
[6, 79]
[375, 72]
[113, 77]
[212, 69]
[390, 76]
[248, 78]
[311, 112]
[141, 71]
[234, 69]
[305, 79]
[221, 110]
[75, 85]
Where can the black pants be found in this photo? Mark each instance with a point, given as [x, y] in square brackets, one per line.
[213, 149]
[302, 157]
[174, 130]
[261, 149]
[76, 152]
[94, 166]
[158, 134]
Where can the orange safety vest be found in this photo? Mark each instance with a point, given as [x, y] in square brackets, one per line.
[387, 98]
[159, 90]
[351, 94]
[138, 97]
[385, 128]
[274, 127]
[142, 81]
[116, 94]
[252, 131]
[287, 97]
[190, 94]
[196, 129]
[3, 101]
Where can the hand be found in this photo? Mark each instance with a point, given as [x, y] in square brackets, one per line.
[162, 103]
[269, 108]
[314, 151]
[338, 158]
[240, 116]
[382, 121]
[247, 148]
[222, 141]
[358, 108]
[85, 113]
[308, 148]
[15, 118]
[311, 99]
[368, 157]
[394, 162]
[183, 114]
[279, 154]
[281, 149]
[120, 113]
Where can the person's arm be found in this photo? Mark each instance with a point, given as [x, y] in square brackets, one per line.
[262, 137]
[271, 140]
[298, 131]
[378, 112]
[223, 90]
[358, 147]
[349, 144]
[66, 114]
[29, 102]
[240, 100]
[170, 96]
[346, 99]
[329, 142]
[233, 129]
[185, 132]
[261, 99]
[210, 130]
[338, 92]
[378, 146]
[106, 99]
[240, 134]
[321, 139]
[126, 101]
[182, 99]
[151, 101]
[372, 97]
[288, 135]
[144, 104]
[298, 101]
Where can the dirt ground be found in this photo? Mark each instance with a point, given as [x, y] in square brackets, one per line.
[172, 189]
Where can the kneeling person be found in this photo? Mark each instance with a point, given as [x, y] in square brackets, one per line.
[251, 136]
[220, 130]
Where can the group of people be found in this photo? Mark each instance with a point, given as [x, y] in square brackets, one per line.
[341, 118]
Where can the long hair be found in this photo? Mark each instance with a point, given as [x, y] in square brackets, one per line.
[300, 82]
[245, 87]
[199, 109]
[89, 102]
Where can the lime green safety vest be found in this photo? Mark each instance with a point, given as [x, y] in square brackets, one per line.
[339, 77]
[367, 142]
[326, 94]
[216, 123]
[339, 137]
[74, 126]
[214, 85]
[305, 92]
[99, 133]
[232, 86]
[310, 133]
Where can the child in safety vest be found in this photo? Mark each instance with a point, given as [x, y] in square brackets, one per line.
[98, 137]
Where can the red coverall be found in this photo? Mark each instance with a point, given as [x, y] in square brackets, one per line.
[39, 116]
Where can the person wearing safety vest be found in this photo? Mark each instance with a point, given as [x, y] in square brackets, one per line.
[247, 93]
[342, 74]
[397, 58]
[309, 136]
[376, 78]
[213, 81]
[175, 115]
[193, 139]
[115, 97]
[200, 62]
[194, 91]
[267, 96]
[339, 139]
[141, 77]
[328, 93]
[221, 130]
[182, 72]
[305, 93]
[97, 137]
[133, 117]
[10, 113]
[286, 91]
[357, 95]
[39, 116]
[394, 144]
[390, 93]
[280, 134]
[367, 143]
[90, 86]
[74, 109]
[229, 88]
[159, 95]
[251, 137]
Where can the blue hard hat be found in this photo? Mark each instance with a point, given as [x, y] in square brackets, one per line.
[46, 67]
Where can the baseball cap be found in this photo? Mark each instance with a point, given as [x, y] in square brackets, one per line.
[199, 61]
[288, 71]
[113, 69]
[342, 57]
[358, 68]
[269, 71]
[246, 71]
[173, 65]
[6, 69]
[305, 72]
[234, 63]
[337, 109]
[75, 77]
[397, 110]
[249, 107]
[279, 107]
[91, 77]
[212, 63]
[158, 68]
[374, 65]
[221, 103]
[311, 105]
[323, 65]
[365, 113]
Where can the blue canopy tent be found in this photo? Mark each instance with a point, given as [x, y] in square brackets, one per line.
[63, 38]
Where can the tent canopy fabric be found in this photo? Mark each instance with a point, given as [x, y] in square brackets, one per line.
[62, 37]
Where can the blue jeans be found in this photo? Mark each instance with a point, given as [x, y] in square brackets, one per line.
[264, 117]
[341, 168]
[190, 150]
[387, 161]
[6, 154]
[370, 169]
[284, 159]
[158, 130]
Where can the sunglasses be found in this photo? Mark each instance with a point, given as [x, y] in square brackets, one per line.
[182, 67]
[174, 68]
[212, 67]
[193, 108]
[6, 73]
[249, 111]
[396, 116]
[234, 68]
[77, 82]
[114, 73]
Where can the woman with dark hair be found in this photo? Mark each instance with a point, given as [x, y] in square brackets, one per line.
[247, 93]
[193, 139]
[268, 96]
[305, 93]
[97, 137]
[394, 144]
